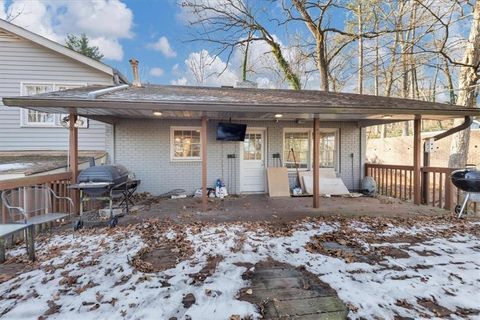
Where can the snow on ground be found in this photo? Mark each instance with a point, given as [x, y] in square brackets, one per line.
[14, 166]
[89, 275]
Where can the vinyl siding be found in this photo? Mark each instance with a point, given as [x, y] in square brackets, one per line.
[27, 62]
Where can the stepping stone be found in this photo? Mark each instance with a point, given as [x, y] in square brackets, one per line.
[284, 292]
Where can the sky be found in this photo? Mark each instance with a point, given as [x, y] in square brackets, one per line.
[155, 32]
[158, 34]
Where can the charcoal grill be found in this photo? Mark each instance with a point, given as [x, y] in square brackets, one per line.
[467, 180]
[106, 182]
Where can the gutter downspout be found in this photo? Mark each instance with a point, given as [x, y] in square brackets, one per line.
[426, 155]
[95, 94]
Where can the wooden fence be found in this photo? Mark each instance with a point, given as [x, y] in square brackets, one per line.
[397, 181]
[29, 197]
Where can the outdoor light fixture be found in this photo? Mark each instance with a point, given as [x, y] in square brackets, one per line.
[157, 113]
[387, 116]
[278, 115]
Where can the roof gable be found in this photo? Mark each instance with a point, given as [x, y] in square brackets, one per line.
[9, 31]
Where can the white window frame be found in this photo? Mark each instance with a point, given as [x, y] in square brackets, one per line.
[172, 144]
[301, 130]
[57, 123]
[336, 131]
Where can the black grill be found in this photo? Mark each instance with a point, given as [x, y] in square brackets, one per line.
[98, 180]
[107, 182]
[467, 180]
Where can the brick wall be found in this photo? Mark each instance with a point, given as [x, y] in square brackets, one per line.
[143, 146]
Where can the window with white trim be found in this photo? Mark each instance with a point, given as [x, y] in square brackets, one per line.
[185, 143]
[301, 141]
[328, 149]
[33, 118]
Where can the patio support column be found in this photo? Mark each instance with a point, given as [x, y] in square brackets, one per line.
[417, 156]
[73, 152]
[316, 163]
[203, 138]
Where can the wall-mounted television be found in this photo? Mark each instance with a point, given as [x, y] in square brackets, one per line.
[231, 131]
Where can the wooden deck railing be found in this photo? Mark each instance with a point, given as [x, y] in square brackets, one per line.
[397, 181]
[57, 182]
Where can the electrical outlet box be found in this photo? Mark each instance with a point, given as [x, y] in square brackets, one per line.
[429, 145]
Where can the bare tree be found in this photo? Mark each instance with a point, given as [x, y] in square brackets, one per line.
[446, 14]
[233, 23]
[467, 86]
[198, 66]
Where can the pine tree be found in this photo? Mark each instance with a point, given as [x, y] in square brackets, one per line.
[81, 44]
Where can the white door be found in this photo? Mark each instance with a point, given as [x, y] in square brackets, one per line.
[252, 172]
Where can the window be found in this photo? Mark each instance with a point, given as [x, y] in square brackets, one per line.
[35, 117]
[327, 150]
[185, 143]
[43, 119]
[252, 146]
[299, 141]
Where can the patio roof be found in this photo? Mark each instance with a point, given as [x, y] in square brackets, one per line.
[108, 104]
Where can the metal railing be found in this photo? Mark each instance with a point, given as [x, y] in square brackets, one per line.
[57, 182]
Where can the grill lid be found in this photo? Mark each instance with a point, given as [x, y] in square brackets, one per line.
[467, 180]
[105, 173]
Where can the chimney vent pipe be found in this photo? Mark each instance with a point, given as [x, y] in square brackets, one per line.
[136, 78]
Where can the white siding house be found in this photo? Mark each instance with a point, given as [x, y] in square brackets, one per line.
[32, 64]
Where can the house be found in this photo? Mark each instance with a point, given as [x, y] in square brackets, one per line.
[167, 135]
[32, 64]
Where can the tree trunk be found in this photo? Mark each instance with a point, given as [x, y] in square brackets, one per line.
[448, 75]
[467, 87]
[322, 64]
[360, 48]
[290, 75]
[377, 60]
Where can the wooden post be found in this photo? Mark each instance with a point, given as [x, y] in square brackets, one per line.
[417, 155]
[31, 242]
[316, 163]
[426, 177]
[73, 150]
[448, 193]
[203, 138]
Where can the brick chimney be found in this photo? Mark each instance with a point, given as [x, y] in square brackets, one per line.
[136, 78]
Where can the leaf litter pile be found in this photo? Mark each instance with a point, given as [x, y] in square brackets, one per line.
[379, 267]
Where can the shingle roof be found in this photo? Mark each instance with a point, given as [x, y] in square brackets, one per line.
[186, 98]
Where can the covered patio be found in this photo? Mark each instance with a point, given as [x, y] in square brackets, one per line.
[161, 104]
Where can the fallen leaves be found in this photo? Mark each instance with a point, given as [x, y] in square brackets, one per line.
[207, 270]
[188, 300]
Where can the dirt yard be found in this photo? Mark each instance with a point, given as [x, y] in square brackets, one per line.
[234, 262]
[246, 208]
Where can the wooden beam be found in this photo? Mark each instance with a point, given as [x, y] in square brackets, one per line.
[316, 163]
[73, 152]
[203, 138]
[33, 180]
[417, 156]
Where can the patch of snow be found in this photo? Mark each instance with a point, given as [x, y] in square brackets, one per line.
[450, 275]
[15, 166]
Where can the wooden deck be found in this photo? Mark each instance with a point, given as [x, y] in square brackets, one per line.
[284, 292]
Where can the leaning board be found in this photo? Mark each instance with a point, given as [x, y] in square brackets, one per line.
[331, 186]
[278, 184]
[324, 173]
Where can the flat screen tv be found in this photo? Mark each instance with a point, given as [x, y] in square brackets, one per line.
[231, 131]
